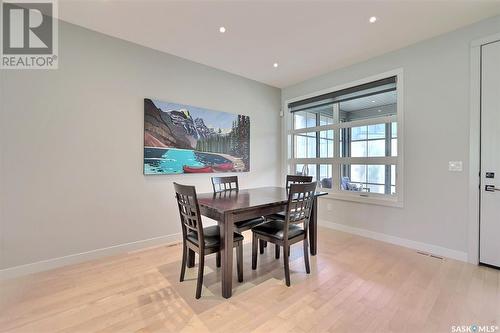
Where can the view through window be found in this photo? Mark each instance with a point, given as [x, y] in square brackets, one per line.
[348, 140]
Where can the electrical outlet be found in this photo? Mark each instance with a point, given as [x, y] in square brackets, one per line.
[455, 166]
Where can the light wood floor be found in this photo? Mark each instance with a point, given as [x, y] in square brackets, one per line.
[356, 285]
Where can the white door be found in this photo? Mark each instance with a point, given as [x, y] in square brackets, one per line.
[489, 251]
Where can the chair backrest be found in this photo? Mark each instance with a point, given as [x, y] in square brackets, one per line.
[300, 201]
[189, 211]
[296, 179]
[223, 184]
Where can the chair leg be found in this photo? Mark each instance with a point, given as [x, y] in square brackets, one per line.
[199, 284]
[239, 261]
[184, 259]
[261, 246]
[254, 251]
[217, 259]
[190, 258]
[277, 251]
[286, 249]
[306, 256]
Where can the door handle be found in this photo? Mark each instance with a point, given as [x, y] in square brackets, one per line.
[491, 188]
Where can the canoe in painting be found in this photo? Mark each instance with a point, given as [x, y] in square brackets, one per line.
[202, 169]
[224, 167]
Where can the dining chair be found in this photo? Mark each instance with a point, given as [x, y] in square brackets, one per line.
[223, 184]
[297, 179]
[287, 231]
[229, 184]
[203, 241]
[290, 179]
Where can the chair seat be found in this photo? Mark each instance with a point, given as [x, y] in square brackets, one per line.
[275, 229]
[212, 236]
[249, 224]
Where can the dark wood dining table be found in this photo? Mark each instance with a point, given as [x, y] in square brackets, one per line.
[233, 206]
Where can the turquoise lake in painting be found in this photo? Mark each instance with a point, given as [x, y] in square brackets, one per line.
[169, 160]
[173, 160]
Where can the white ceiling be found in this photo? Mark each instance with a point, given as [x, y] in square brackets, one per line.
[306, 38]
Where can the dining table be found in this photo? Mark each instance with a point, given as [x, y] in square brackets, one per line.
[237, 205]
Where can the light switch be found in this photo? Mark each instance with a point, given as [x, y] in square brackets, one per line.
[455, 166]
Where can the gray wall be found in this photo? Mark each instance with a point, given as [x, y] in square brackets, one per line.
[436, 94]
[71, 156]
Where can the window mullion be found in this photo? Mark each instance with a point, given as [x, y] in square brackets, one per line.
[336, 149]
[292, 154]
[318, 116]
[354, 123]
[388, 136]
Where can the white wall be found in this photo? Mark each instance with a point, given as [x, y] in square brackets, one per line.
[71, 147]
[436, 94]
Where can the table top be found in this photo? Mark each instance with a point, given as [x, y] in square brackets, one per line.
[232, 201]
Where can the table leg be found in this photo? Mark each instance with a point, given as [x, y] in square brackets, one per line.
[313, 228]
[227, 255]
[190, 260]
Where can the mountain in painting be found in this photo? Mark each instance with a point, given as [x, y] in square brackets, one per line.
[175, 128]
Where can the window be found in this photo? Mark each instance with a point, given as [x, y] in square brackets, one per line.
[347, 140]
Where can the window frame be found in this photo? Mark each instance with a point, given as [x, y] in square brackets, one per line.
[288, 162]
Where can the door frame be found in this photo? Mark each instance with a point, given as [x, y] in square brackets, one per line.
[475, 147]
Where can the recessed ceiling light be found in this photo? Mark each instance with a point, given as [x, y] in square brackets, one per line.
[373, 19]
[222, 30]
[373, 101]
[275, 65]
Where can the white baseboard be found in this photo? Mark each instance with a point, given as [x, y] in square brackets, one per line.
[424, 247]
[44, 265]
